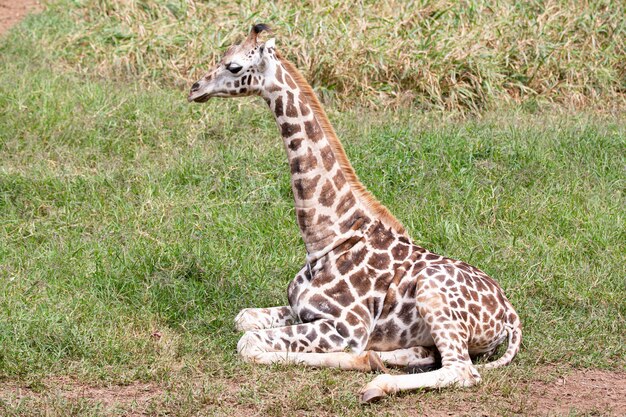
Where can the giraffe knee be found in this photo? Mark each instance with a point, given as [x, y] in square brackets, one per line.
[247, 320]
[248, 346]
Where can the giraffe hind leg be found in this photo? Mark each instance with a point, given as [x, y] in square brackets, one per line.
[464, 375]
[451, 339]
[413, 360]
[433, 364]
[458, 370]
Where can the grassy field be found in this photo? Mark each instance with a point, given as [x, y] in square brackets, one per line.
[134, 226]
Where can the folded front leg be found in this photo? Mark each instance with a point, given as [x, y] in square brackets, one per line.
[269, 318]
[264, 318]
[317, 344]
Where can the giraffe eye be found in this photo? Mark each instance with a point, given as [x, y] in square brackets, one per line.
[233, 68]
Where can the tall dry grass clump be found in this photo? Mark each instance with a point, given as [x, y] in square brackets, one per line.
[439, 54]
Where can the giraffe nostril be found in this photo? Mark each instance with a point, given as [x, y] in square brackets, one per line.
[195, 86]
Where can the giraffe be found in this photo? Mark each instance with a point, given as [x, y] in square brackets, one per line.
[367, 297]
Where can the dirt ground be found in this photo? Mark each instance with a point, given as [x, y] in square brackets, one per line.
[588, 392]
[12, 11]
[573, 392]
[131, 400]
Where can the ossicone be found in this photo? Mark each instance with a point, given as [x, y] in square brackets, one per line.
[251, 41]
[260, 27]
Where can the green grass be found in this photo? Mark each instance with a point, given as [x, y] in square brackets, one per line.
[124, 210]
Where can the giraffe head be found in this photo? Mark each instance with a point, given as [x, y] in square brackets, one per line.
[242, 70]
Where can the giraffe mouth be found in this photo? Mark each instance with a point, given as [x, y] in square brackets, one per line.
[200, 99]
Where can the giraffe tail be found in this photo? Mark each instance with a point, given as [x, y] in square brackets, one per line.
[515, 340]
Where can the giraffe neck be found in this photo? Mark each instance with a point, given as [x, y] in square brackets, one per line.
[331, 204]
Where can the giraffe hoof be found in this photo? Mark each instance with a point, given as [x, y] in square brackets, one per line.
[371, 395]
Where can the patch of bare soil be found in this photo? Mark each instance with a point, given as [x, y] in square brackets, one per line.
[12, 11]
[551, 392]
[587, 391]
[136, 396]
[137, 393]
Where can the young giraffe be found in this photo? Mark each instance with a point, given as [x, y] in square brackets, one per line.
[367, 295]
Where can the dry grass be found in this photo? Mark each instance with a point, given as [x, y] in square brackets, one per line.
[438, 54]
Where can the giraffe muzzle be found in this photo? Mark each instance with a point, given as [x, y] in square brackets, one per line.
[200, 92]
[199, 99]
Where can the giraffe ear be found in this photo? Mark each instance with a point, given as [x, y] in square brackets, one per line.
[263, 53]
[270, 43]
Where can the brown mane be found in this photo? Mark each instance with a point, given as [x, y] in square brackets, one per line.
[359, 189]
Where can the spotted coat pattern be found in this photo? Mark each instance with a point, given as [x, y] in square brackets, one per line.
[368, 296]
